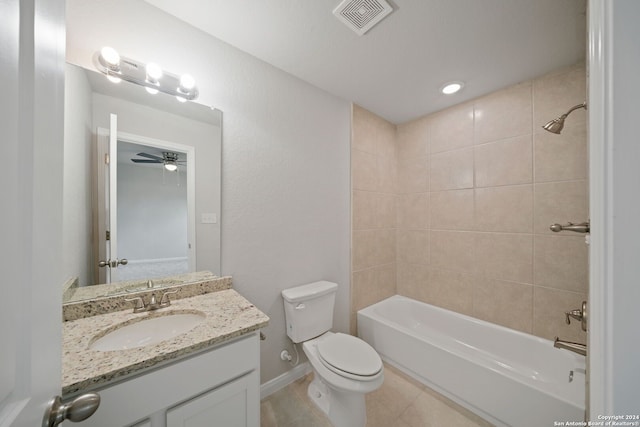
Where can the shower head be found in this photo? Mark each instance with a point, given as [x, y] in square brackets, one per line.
[556, 125]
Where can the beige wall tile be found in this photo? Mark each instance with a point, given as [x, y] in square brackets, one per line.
[413, 211]
[452, 250]
[373, 285]
[504, 303]
[559, 202]
[364, 171]
[561, 157]
[362, 135]
[372, 248]
[386, 246]
[413, 139]
[452, 210]
[505, 256]
[373, 210]
[549, 306]
[362, 251]
[413, 246]
[452, 290]
[505, 162]
[372, 134]
[561, 262]
[452, 170]
[555, 93]
[363, 210]
[413, 175]
[508, 209]
[503, 114]
[413, 281]
[452, 128]
[387, 174]
[384, 206]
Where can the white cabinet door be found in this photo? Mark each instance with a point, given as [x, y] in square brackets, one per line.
[231, 405]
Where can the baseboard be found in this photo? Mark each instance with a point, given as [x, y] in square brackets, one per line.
[284, 380]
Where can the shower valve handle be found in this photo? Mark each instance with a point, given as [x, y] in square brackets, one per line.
[578, 314]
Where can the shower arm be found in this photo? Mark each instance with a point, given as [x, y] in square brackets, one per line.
[572, 109]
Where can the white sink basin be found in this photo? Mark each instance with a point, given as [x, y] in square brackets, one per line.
[148, 331]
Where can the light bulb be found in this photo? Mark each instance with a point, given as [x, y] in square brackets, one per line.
[181, 99]
[170, 166]
[154, 72]
[151, 90]
[452, 87]
[187, 82]
[110, 55]
[113, 79]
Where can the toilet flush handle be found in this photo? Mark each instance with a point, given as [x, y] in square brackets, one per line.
[300, 306]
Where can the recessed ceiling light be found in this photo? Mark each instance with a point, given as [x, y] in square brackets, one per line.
[452, 87]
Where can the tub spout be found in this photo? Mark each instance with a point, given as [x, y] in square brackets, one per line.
[576, 347]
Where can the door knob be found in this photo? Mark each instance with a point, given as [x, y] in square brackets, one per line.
[79, 409]
[113, 263]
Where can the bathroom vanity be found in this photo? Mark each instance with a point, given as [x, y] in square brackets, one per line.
[207, 375]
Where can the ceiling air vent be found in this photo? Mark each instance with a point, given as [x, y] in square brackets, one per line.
[362, 15]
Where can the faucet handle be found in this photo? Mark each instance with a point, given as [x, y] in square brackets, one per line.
[164, 301]
[139, 306]
[578, 314]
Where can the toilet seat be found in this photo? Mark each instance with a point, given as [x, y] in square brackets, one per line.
[350, 357]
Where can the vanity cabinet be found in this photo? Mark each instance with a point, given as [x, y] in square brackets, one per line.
[218, 387]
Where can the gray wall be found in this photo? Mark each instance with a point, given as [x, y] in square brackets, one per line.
[152, 213]
[76, 222]
[285, 182]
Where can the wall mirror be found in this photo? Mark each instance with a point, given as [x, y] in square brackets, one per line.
[142, 177]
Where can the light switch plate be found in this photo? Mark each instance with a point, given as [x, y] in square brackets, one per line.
[209, 218]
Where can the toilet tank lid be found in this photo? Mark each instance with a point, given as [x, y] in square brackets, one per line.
[312, 290]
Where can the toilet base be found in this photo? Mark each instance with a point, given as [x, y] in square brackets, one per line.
[344, 409]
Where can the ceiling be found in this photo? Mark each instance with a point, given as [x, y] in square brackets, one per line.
[397, 69]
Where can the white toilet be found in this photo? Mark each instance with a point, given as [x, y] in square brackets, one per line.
[345, 367]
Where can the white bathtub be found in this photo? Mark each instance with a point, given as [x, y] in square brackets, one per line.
[507, 377]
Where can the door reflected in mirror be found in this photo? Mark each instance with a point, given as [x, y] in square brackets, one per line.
[141, 183]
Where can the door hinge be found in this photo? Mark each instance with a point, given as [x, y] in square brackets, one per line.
[106, 158]
[108, 235]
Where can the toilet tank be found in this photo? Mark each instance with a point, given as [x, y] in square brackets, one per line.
[308, 310]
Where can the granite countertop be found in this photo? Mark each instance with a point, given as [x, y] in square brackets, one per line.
[228, 315]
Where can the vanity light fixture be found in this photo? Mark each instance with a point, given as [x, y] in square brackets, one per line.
[151, 76]
[452, 87]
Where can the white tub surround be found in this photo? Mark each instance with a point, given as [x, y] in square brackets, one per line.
[507, 377]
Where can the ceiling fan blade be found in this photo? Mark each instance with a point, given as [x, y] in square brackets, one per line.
[150, 156]
[146, 161]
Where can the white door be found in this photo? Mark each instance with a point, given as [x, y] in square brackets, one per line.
[113, 199]
[107, 191]
[31, 118]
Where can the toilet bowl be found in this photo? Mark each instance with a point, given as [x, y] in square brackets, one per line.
[345, 362]
[345, 367]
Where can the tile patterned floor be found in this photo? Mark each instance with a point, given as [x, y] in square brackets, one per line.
[400, 402]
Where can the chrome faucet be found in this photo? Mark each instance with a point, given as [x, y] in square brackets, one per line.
[153, 302]
[576, 347]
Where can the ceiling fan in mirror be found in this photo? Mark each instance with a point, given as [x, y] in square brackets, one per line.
[170, 160]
